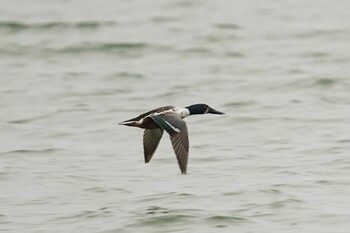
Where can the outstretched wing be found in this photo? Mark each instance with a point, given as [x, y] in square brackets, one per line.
[151, 139]
[180, 145]
[177, 129]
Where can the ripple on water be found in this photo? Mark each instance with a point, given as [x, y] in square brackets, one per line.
[163, 217]
[16, 26]
[115, 48]
[96, 190]
[166, 219]
[278, 157]
[85, 214]
[224, 220]
[126, 75]
[239, 104]
[164, 195]
[33, 152]
[227, 26]
[30, 119]
[110, 47]
[155, 216]
[316, 83]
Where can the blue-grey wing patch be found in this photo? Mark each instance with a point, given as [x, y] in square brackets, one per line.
[151, 139]
[177, 129]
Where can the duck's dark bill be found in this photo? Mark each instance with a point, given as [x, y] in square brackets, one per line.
[213, 111]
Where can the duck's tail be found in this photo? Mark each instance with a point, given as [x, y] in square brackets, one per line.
[129, 123]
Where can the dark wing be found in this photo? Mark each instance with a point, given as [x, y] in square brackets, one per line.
[180, 145]
[151, 139]
[177, 129]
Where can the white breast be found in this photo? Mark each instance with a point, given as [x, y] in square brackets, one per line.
[182, 112]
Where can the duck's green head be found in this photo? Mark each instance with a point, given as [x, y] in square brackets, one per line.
[202, 109]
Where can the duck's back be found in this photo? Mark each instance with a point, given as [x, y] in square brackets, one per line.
[152, 112]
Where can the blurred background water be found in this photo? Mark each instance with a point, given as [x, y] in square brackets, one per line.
[278, 161]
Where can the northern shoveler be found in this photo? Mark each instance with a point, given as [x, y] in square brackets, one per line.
[170, 119]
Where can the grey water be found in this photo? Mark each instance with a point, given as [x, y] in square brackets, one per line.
[277, 161]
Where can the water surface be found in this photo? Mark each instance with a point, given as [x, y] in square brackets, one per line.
[278, 161]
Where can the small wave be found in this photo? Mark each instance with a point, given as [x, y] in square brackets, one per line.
[325, 82]
[26, 151]
[126, 75]
[164, 195]
[234, 54]
[226, 26]
[271, 191]
[122, 47]
[156, 210]
[96, 190]
[15, 26]
[345, 141]
[239, 104]
[164, 19]
[316, 55]
[316, 83]
[3, 219]
[184, 4]
[218, 38]
[165, 219]
[222, 219]
[197, 51]
[86, 214]
[320, 33]
[116, 48]
[27, 120]
[282, 203]
[233, 193]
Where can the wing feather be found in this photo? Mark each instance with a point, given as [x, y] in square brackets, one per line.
[151, 139]
[177, 129]
[180, 144]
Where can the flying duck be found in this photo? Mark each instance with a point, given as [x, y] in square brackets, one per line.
[170, 119]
